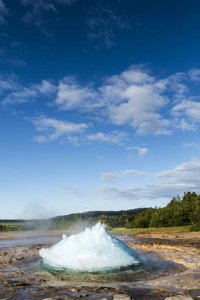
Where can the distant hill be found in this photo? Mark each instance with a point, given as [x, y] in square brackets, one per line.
[95, 214]
[83, 216]
[60, 222]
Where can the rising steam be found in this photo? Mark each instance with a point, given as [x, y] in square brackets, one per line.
[91, 250]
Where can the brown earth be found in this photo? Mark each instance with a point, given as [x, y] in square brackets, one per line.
[20, 279]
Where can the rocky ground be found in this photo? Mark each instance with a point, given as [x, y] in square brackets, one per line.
[20, 278]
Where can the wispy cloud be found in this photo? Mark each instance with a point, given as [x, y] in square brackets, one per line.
[194, 74]
[163, 185]
[71, 190]
[72, 95]
[187, 114]
[3, 12]
[142, 151]
[193, 145]
[186, 173]
[28, 94]
[115, 137]
[46, 88]
[54, 129]
[112, 177]
[8, 82]
[103, 23]
[37, 11]
[166, 184]
[134, 98]
[184, 125]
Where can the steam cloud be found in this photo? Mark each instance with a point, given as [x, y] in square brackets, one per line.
[92, 250]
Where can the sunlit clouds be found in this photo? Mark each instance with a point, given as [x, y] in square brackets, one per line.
[165, 184]
[134, 98]
[99, 104]
[56, 129]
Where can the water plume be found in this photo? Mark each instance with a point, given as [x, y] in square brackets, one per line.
[91, 250]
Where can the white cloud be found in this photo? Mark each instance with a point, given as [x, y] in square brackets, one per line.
[143, 193]
[190, 109]
[71, 95]
[194, 74]
[167, 184]
[185, 173]
[55, 129]
[112, 177]
[8, 82]
[135, 98]
[185, 126]
[115, 137]
[142, 151]
[28, 94]
[175, 85]
[40, 139]
[163, 185]
[46, 88]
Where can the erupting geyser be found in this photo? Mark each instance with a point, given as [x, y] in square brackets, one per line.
[91, 250]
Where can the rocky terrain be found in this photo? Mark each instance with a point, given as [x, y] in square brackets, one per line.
[20, 277]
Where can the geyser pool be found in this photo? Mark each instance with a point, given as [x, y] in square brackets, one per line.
[89, 251]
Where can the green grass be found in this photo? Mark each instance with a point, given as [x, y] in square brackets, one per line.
[151, 229]
[12, 223]
[10, 226]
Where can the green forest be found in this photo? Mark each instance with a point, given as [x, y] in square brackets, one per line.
[183, 211]
[179, 212]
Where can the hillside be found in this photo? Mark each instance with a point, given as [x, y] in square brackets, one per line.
[64, 221]
[95, 214]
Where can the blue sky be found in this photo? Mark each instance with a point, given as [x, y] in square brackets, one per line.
[100, 104]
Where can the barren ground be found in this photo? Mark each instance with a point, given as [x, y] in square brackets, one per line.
[20, 280]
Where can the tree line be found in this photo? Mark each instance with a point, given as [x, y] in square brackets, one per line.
[178, 212]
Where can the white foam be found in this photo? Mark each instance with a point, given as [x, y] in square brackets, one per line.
[91, 250]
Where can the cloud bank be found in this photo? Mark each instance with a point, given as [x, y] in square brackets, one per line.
[162, 185]
[56, 129]
[134, 99]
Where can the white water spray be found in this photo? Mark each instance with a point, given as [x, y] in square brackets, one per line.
[91, 250]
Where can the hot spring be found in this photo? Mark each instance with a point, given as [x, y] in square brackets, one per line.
[95, 255]
[90, 251]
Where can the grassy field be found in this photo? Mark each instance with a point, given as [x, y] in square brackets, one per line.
[12, 223]
[9, 226]
[136, 230]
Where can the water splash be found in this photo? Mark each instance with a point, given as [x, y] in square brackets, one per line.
[91, 250]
